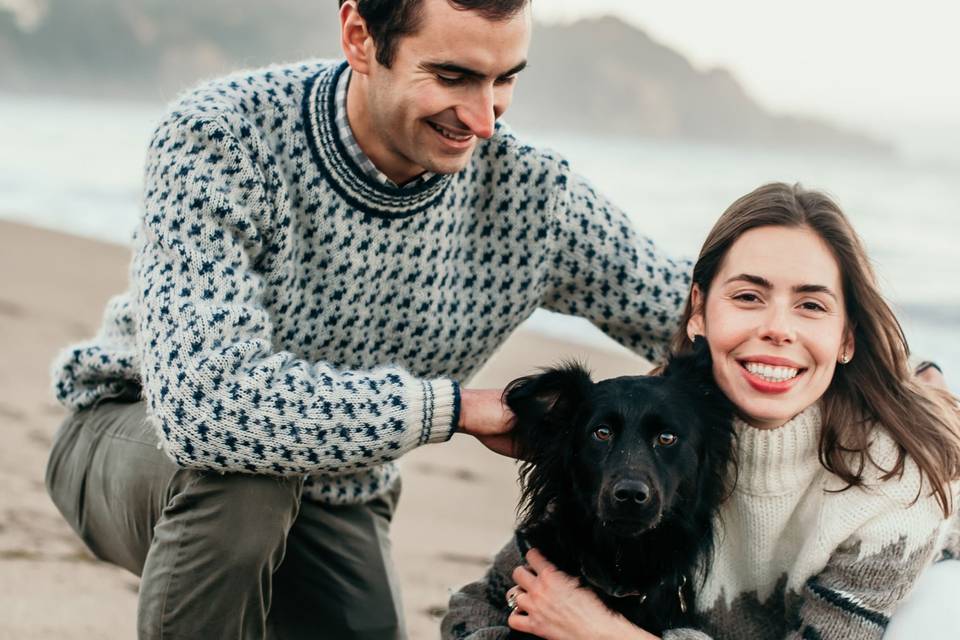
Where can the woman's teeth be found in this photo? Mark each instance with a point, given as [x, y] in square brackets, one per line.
[771, 374]
[447, 134]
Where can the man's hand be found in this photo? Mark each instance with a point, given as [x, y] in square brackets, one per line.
[484, 416]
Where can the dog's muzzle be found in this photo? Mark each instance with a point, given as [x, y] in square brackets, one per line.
[630, 493]
[631, 505]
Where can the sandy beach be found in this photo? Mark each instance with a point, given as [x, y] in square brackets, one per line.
[457, 506]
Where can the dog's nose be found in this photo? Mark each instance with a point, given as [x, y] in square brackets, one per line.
[626, 491]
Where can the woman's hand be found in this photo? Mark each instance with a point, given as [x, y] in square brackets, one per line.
[552, 605]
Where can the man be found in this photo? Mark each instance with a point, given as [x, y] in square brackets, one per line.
[327, 249]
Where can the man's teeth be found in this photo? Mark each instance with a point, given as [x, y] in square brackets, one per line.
[447, 134]
[771, 374]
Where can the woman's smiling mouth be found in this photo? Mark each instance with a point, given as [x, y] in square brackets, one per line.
[770, 378]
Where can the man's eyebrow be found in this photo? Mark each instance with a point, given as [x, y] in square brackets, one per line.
[514, 71]
[452, 67]
[766, 284]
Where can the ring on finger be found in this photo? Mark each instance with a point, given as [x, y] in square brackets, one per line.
[512, 595]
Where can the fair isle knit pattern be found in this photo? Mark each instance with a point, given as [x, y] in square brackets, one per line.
[793, 559]
[287, 314]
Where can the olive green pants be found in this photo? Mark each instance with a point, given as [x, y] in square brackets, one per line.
[222, 555]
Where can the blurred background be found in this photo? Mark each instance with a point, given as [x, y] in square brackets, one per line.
[672, 108]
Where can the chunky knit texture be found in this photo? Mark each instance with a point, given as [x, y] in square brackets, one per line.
[794, 559]
[287, 314]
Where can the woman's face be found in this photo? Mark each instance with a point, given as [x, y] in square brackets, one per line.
[776, 323]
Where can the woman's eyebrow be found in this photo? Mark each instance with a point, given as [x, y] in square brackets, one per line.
[746, 277]
[815, 288]
[760, 281]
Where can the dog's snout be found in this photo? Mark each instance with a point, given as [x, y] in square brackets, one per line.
[631, 492]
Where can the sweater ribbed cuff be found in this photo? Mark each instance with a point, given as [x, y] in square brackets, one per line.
[435, 411]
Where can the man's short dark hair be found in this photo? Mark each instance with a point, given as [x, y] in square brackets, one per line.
[391, 20]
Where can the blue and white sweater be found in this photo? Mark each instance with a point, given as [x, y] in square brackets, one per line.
[287, 314]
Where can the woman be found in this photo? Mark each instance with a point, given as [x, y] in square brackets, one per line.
[845, 463]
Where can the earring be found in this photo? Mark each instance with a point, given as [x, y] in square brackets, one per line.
[844, 358]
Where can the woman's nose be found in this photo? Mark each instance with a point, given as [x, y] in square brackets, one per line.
[777, 326]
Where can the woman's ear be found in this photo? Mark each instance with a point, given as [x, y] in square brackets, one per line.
[847, 348]
[697, 325]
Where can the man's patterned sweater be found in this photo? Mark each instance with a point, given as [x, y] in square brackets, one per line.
[287, 314]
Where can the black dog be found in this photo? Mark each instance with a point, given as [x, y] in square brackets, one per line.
[623, 479]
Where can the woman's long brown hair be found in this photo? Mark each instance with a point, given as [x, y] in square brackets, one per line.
[877, 385]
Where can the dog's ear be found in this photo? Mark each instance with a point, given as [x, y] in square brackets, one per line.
[695, 371]
[549, 399]
[546, 407]
[697, 365]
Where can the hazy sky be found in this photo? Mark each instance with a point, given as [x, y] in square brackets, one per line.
[876, 63]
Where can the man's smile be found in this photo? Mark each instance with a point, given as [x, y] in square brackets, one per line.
[453, 135]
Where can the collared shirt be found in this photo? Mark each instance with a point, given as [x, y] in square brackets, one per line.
[356, 153]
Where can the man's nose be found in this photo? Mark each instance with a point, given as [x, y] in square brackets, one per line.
[479, 113]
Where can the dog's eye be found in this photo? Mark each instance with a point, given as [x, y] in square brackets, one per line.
[667, 439]
[602, 433]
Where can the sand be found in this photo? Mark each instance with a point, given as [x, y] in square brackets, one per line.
[458, 501]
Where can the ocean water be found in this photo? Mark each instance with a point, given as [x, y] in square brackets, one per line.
[76, 166]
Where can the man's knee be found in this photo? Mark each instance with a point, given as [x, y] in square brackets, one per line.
[218, 543]
[61, 477]
[246, 517]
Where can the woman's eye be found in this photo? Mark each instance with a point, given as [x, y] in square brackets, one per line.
[813, 306]
[602, 433]
[666, 439]
[746, 297]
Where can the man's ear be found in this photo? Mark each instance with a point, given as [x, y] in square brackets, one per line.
[545, 404]
[697, 325]
[355, 39]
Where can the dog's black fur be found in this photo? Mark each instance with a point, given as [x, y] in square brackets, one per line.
[630, 514]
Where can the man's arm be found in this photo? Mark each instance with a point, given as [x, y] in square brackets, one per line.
[608, 273]
[224, 398]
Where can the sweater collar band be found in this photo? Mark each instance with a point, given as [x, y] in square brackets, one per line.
[341, 171]
[781, 460]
